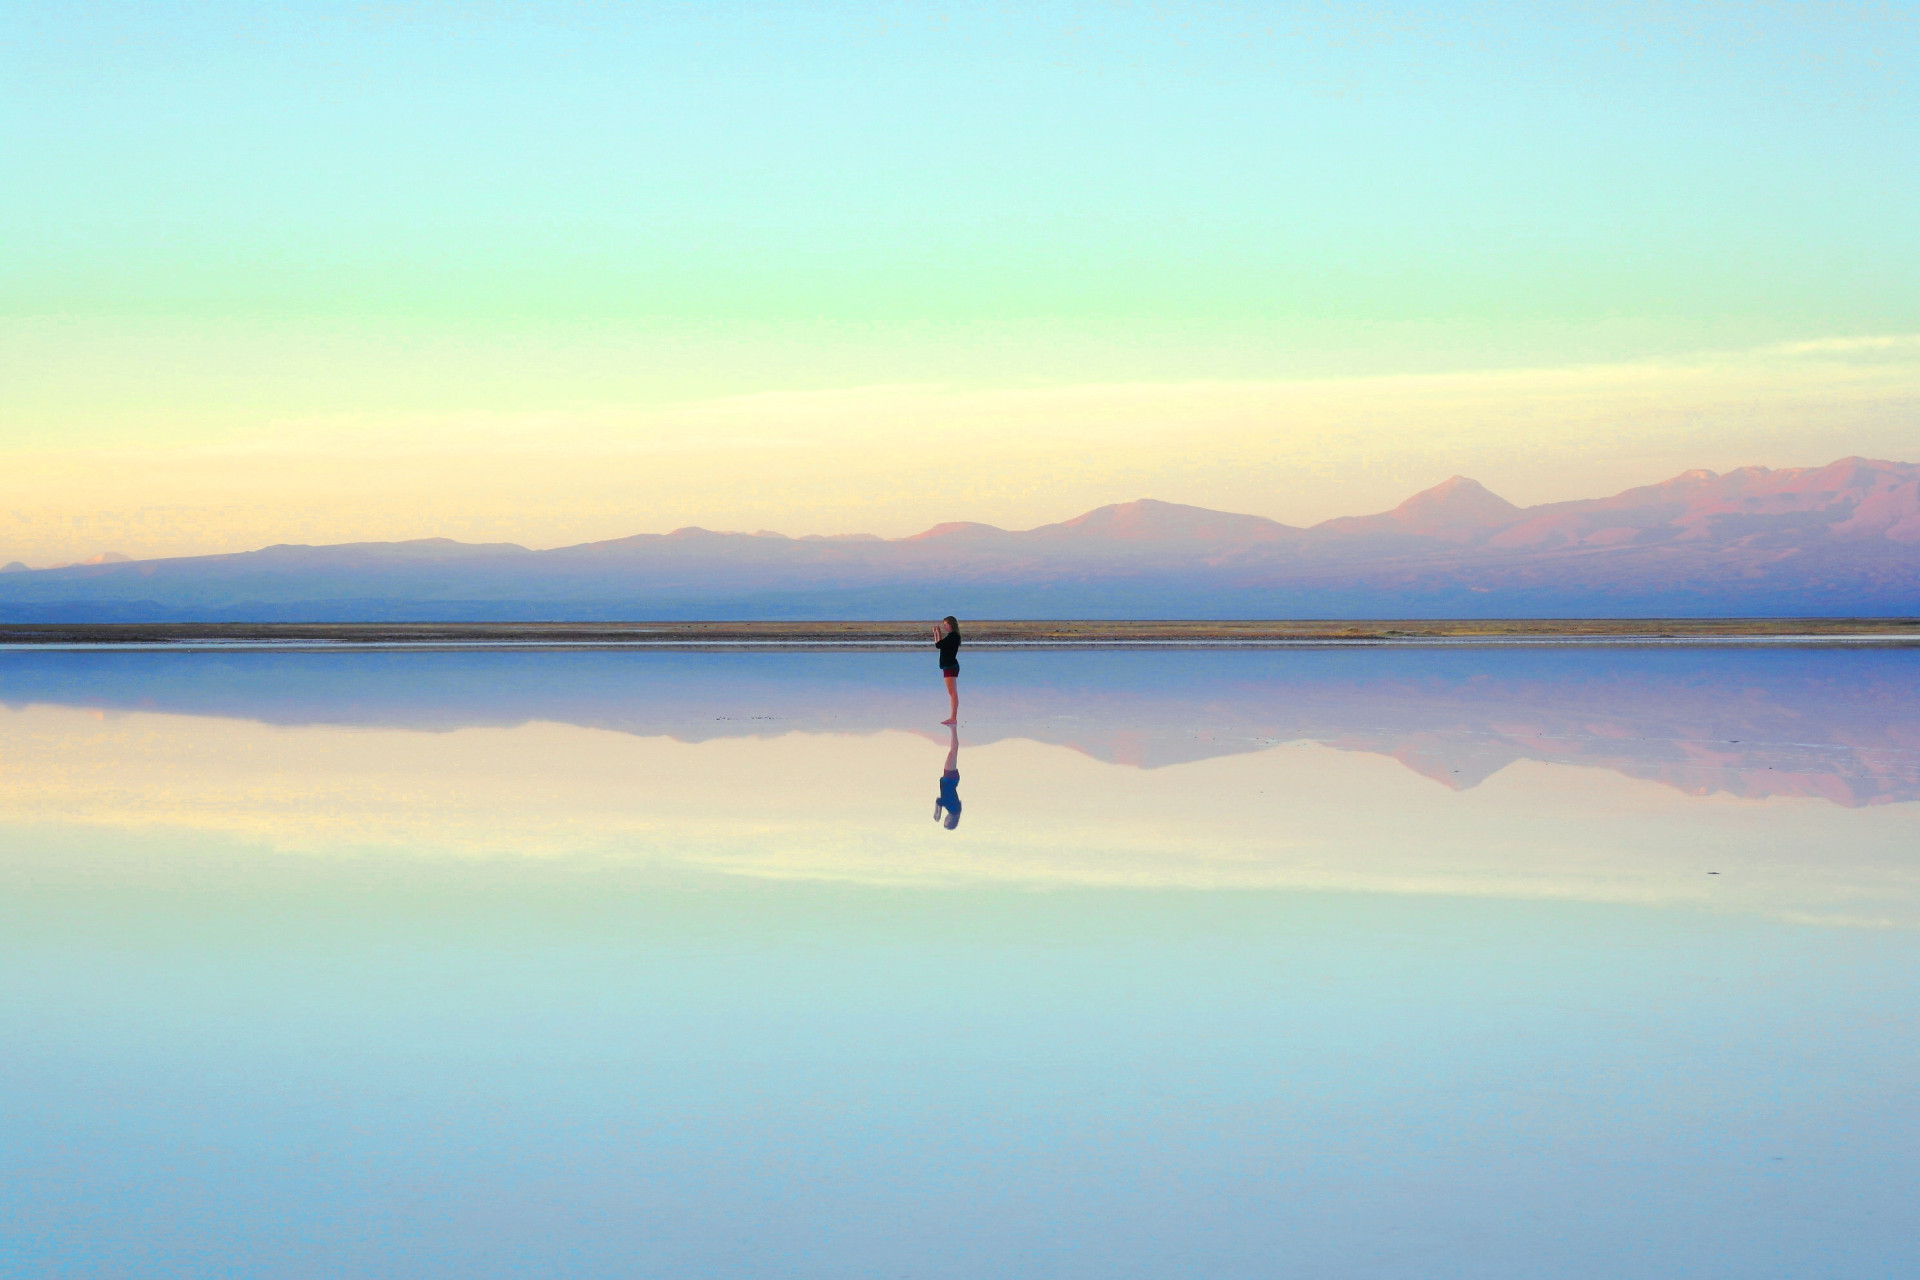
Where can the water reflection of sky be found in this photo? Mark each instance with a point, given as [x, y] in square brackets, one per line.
[1838, 723]
[1397, 963]
[1752, 780]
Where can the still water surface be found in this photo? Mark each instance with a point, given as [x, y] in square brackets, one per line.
[1415, 963]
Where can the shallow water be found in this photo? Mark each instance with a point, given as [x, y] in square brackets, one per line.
[1466, 962]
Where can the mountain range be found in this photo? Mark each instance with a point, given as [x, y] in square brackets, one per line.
[1843, 539]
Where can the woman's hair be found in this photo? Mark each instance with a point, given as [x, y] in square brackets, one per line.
[953, 624]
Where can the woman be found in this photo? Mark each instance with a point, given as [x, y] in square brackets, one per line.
[946, 634]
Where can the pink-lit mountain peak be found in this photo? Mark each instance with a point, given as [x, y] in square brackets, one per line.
[1457, 509]
[1851, 498]
[1147, 519]
[1455, 505]
[1767, 489]
[957, 529]
[1143, 520]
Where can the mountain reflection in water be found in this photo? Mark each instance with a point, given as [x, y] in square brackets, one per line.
[1842, 725]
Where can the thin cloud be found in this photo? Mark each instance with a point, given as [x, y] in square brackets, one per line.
[1877, 342]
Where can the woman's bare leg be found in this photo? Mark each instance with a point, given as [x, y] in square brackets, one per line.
[953, 696]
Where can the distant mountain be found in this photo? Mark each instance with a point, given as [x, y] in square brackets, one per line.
[1840, 539]
[1455, 510]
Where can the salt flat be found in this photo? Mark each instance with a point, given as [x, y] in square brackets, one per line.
[1360, 961]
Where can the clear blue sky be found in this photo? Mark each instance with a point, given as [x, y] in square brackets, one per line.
[1153, 163]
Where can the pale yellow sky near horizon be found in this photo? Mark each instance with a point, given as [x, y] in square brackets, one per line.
[893, 460]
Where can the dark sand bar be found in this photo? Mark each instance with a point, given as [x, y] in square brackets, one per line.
[1005, 634]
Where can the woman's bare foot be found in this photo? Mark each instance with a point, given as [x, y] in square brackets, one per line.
[950, 720]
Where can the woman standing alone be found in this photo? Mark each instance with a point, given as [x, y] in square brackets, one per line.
[946, 634]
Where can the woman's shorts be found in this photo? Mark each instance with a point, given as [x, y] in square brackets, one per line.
[953, 670]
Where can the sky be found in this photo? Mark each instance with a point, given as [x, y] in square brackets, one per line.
[551, 272]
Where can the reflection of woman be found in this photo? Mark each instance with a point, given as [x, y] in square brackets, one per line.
[949, 798]
[946, 634]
